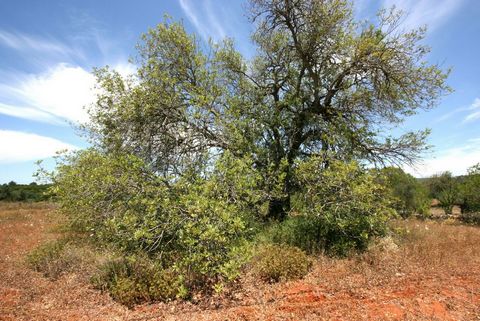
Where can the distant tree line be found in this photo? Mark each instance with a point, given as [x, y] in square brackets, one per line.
[463, 191]
[33, 192]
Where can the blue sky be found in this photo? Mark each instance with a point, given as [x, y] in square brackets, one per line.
[48, 49]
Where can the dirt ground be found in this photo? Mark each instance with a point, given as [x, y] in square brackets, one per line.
[439, 280]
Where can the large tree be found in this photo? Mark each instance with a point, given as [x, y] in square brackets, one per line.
[320, 84]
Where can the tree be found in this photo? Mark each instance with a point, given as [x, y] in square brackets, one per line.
[411, 196]
[320, 85]
[445, 188]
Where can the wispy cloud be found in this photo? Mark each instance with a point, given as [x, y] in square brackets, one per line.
[456, 160]
[432, 13]
[474, 111]
[62, 88]
[29, 113]
[29, 44]
[18, 146]
[204, 19]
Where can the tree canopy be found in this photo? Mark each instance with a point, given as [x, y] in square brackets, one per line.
[321, 84]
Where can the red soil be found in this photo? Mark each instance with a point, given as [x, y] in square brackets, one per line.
[333, 291]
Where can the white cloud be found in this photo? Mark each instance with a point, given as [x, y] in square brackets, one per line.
[18, 146]
[28, 43]
[28, 113]
[432, 13]
[210, 27]
[456, 160]
[58, 95]
[474, 111]
[61, 92]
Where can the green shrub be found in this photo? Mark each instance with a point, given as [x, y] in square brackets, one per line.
[470, 190]
[445, 188]
[137, 279]
[194, 222]
[306, 233]
[347, 206]
[410, 196]
[274, 263]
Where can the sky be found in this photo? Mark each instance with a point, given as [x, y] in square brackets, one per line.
[48, 50]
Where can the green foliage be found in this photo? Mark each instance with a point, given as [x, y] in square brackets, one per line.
[470, 190]
[411, 196]
[33, 192]
[274, 263]
[304, 232]
[190, 100]
[445, 188]
[137, 279]
[195, 224]
[347, 203]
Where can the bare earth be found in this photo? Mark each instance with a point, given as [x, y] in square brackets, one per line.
[438, 279]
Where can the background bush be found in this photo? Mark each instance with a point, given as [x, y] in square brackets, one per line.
[33, 192]
[410, 195]
[274, 263]
[445, 188]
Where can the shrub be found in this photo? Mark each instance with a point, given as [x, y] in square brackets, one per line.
[193, 223]
[274, 263]
[306, 233]
[136, 279]
[470, 218]
[445, 188]
[410, 196]
[347, 206]
[45, 258]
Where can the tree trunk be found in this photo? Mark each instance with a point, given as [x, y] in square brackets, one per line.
[278, 208]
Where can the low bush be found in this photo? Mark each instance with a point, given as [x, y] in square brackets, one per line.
[306, 233]
[274, 263]
[445, 187]
[345, 203]
[193, 223]
[45, 258]
[470, 218]
[136, 279]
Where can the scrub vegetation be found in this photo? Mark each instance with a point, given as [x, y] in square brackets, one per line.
[206, 167]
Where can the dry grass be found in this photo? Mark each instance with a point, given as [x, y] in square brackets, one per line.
[426, 271]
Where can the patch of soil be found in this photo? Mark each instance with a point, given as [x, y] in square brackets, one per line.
[330, 292]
